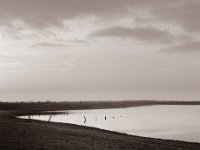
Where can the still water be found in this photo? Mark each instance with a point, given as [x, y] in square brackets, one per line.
[165, 122]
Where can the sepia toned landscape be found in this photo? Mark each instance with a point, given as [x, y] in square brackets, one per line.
[99, 75]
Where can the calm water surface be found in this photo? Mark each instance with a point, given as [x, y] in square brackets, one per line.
[165, 122]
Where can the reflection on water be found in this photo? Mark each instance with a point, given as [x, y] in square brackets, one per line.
[166, 122]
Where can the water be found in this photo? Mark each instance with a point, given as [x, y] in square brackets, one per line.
[165, 122]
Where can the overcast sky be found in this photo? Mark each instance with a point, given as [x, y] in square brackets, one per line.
[99, 49]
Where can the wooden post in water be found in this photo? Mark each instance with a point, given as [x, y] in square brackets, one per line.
[29, 118]
[84, 119]
[50, 118]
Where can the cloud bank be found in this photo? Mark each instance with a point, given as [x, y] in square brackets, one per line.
[39, 13]
[138, 33]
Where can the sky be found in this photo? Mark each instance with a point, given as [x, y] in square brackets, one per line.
[99, 50]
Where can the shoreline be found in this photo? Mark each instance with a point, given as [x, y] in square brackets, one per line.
[22, 134]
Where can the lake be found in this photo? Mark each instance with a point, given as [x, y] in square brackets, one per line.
[160, 121]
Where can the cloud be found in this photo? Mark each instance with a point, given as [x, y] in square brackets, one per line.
[41, 13]
[183, 13]
[46, 44]
[78, 41]
[138, 33]
[192, 46]
[44, 13]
